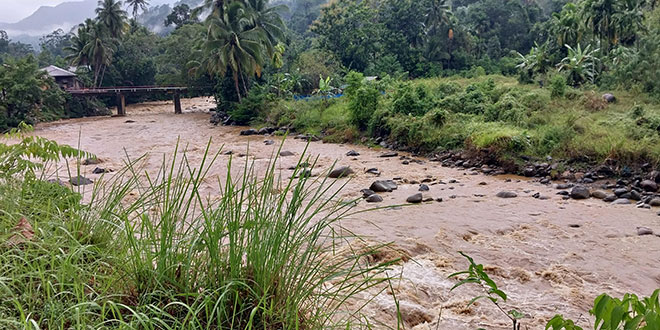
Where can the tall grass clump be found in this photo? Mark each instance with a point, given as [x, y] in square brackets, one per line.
[150, 250]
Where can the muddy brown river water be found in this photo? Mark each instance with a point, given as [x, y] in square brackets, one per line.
[551, 256]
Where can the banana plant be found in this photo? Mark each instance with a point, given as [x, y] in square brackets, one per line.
[580, 64]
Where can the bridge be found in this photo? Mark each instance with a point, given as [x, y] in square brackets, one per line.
[121, 93]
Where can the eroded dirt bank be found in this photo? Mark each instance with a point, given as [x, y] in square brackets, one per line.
[551, 256]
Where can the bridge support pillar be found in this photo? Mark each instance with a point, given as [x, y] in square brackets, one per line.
[121, 105]
[177, 103]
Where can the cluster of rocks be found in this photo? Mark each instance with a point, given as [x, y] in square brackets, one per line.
[643, 192]
[371, 195]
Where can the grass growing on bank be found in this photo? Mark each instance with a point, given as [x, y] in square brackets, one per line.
[152, 252]
[491, 112]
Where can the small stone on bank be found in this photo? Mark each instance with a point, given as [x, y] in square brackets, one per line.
[389, 154]
[621, 201]
[423, 187]
[352, 153]
[599, 194]
[383, 186]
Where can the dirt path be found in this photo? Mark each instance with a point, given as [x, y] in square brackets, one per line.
[551, 256]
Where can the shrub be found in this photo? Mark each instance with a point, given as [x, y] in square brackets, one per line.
[354, 81]
[250, 108]
[408, 99]
[363, 105]
[593, 102]
[437, 116]
[557, 86]
[507, 109]
[445, 89]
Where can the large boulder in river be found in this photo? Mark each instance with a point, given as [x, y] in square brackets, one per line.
[80, 181]
[580, 192]
[383, 186]
[340, 172]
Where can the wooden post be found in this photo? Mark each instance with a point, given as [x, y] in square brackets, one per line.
[177, 103]
[121, 105]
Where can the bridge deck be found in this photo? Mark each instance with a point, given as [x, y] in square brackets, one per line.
[125, 90]
[121, 92]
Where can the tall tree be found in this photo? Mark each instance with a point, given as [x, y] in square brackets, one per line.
[111, 15]
[136, 6]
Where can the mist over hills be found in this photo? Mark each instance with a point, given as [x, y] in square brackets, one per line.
[67, 15]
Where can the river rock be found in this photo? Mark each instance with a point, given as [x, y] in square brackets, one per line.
[286, 153]
[269, 142]
[564, 186]
[101, 170]
[598, 194]
[415, 199]
[655, 202]
[423, 187]
[91, 161]
[352, 153]
[340, 172]
[373, 171]
[620, 191]
[374, 198]
[267, 130]
[609, 98]
[635, 195]
[367, 192]
[383, 186]
[621, 201]
[248, 132]
[80, 181]
[649, 185]
[644, 231]
[506, 194]
[580, 192]
[389, 154]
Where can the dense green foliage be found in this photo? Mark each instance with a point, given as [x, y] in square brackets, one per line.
[27, 94]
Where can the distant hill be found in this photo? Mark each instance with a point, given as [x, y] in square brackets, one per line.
[50, 18]
[69, 14]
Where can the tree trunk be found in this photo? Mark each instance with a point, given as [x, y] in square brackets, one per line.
[238, 90]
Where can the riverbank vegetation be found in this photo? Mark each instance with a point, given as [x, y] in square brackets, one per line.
[152, 252]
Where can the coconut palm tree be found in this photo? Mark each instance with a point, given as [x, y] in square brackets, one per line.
[438, 15]
[231, 44]
[268, 19]
[76, 48]
[111, 15]
[136, 6]
[100, 49]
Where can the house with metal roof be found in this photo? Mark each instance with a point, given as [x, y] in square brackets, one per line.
[64, 78]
